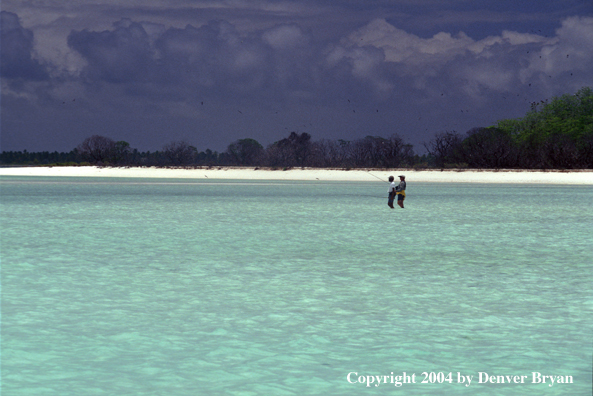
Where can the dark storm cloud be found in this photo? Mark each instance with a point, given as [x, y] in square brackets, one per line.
[212, 72]
[210, 60]
[17, 51]
[127, 54]
[213, 55]
[121, 55]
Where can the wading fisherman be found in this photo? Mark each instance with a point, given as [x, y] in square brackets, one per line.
[397, 190]
[400, 191]
[392, 192]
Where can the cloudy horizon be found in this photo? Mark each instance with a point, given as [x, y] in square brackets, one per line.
[211, 72]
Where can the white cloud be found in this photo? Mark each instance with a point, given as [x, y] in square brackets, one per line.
[497, 63]
[402, 47]
[574, 49]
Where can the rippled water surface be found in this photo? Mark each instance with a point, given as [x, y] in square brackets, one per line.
[177, 287]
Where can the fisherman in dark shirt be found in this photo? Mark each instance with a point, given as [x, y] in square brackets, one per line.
[400, 191]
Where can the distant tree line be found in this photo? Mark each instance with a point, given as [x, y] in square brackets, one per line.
[554, 134]
[38, 158]
[296, 150]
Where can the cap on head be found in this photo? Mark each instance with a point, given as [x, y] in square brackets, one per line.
[391, 178]
[402, 176]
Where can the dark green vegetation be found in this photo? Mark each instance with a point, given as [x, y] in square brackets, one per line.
[555, 134]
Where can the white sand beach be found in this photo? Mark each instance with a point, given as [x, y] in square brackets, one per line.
[360, 175]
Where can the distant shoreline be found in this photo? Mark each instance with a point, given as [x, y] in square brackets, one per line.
[511, 176]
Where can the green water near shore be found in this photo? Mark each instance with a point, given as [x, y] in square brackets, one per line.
[181, 287]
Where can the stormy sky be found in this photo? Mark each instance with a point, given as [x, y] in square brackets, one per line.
[210, 72]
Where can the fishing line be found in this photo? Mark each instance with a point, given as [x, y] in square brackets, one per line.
[377, 177]
[374, 196]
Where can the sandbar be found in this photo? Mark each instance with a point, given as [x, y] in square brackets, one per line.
[314, 174]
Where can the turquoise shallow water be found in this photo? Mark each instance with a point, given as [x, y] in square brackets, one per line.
[177, 287]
